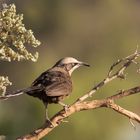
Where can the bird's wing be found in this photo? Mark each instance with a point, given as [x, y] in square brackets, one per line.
[61, 88]
[54, 83]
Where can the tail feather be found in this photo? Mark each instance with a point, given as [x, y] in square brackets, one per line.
[9, 95]
[20, 92]
[16, 93]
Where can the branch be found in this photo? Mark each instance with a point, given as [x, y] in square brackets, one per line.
[80, 106]
[124, 93]
[124, 112]
[110, 76]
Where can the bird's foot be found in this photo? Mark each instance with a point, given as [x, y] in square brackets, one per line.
[50, 122]
[66, 108]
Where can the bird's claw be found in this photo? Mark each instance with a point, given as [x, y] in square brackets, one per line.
[66, 108]
[50, 122]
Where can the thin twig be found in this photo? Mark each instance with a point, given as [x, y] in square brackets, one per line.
[124, 93]
[118, 74]
[133, 125]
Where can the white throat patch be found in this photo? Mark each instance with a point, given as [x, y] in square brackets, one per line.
[75, 67]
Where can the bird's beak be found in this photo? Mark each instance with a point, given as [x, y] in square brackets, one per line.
[84, 64]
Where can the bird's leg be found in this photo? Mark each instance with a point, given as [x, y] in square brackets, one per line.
[66, 107]
[46, 114]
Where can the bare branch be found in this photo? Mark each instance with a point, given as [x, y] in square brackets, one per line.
[124, 93]
[58, 118]
[118, 74]
[125, 112]
[133, 125]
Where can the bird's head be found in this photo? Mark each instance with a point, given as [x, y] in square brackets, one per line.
[70, 64]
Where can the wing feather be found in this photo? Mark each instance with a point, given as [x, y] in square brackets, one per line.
[54, 83]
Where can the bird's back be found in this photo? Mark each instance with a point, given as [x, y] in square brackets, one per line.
[52, 86]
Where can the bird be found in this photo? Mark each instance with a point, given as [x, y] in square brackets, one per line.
[53, 85]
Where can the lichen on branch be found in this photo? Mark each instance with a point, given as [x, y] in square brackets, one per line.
[14, 39]
[4, 82]
[14, 36]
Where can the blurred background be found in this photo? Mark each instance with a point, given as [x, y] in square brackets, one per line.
[95, 31]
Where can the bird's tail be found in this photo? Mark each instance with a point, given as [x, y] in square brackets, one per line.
[16, 93]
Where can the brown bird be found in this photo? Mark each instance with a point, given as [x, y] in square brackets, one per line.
[53, 85]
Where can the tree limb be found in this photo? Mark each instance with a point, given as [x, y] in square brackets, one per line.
[110, 76]
[85, 105]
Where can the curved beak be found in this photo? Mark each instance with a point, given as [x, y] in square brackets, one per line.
[84, 64]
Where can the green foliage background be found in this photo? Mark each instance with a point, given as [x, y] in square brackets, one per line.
[96, 31]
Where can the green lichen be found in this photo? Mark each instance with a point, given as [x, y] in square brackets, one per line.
[4, 82]
[14, 39]
[14, 36]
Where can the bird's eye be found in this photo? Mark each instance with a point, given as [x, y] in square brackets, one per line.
[73, 64]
